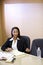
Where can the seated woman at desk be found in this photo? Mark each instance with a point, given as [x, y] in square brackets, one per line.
[15, 42]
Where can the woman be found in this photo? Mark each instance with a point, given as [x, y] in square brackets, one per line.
[15, 42]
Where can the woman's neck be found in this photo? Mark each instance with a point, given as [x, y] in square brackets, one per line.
[15, 38]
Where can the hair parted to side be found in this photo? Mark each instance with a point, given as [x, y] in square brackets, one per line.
[17, 29]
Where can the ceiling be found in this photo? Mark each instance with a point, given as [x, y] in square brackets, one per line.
[22, 1]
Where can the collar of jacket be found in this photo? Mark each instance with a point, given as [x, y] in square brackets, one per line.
[12, 39]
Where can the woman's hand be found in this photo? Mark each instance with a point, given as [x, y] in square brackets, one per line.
[8, 49]
[27, 50]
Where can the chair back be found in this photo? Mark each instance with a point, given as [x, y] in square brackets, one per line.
[35, 44]
[27, 40]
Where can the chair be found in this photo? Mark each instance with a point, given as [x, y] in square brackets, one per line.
[27, 40]
[35, 44]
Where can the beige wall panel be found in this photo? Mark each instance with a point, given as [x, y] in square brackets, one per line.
[0, 26]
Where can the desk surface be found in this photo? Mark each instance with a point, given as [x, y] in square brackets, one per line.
[25, 59]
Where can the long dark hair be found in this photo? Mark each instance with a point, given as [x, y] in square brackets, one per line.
[17, 29]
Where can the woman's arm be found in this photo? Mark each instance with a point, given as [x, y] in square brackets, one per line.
[5, 45]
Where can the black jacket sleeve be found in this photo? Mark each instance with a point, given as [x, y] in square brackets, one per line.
[6, 45]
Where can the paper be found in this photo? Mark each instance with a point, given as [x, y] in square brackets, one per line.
[9, 56]
[16, 52]
[6, 56]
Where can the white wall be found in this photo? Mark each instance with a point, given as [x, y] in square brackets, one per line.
[27, 16]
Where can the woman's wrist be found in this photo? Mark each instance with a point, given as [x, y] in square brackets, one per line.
[27, 50]
[8, 49]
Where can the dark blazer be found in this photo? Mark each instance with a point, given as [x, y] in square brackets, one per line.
[22, 44]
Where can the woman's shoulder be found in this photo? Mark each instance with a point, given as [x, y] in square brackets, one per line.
[9, 39]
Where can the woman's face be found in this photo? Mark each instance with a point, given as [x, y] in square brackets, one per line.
[15, 33]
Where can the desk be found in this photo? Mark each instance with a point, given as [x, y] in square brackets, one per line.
[25, 59]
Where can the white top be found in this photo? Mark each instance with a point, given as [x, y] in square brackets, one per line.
[14, 44]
